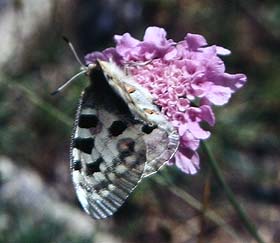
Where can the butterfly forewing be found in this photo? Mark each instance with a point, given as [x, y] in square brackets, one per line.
[160, 137]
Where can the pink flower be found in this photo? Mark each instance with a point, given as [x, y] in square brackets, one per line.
[185, 79]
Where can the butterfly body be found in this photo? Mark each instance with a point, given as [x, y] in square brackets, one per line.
[119, 137]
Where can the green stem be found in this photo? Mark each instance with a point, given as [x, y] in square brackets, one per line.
[33, 98]
[240, 211]
[51, 110]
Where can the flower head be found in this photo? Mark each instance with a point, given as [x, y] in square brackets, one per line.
[185, 79]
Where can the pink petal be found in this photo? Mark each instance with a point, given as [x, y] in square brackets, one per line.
[189, 141]
[222, 51]
[195, 41]
[126, 40]
[155, 35]
[207, 114]
[197, 131]
[219, 95]
[171, 54]
[234, 81]
[187, 161]
[183, 104]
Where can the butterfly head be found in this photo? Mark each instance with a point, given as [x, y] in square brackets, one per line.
[88, 68]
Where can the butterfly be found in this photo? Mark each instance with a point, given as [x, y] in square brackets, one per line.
[119, 137]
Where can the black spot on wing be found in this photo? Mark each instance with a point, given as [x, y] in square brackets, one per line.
[88, 121]
[117, 128]
[148, 129]
[94, 166]
[84, 144]
[126, 147]
[77, 165]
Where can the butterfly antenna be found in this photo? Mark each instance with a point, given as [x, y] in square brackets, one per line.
[73, 51]
[84, 67]
[65, 84]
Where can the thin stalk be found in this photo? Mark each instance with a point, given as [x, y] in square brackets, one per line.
[206, 205]
[33, 98]
[196, 204]
[229, 194]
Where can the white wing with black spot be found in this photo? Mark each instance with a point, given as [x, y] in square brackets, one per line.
[113, 146]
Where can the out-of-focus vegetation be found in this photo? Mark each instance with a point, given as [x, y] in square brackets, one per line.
[35, 127]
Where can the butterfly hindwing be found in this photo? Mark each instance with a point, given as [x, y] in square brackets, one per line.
[160, 137]
[115, 142]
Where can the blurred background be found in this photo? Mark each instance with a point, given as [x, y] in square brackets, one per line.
[37, 199]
